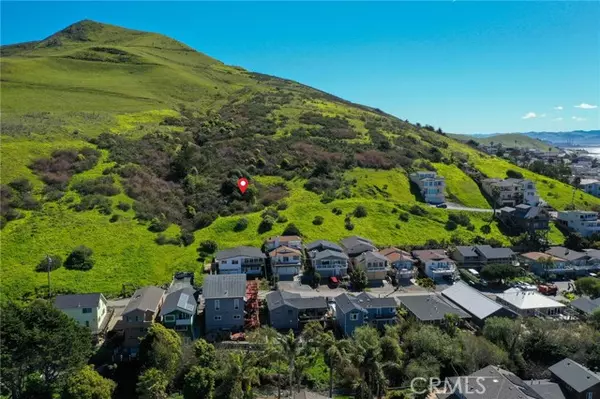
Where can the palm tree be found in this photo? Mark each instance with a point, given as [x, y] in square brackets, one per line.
[242, 373]
[336, 355]
[290, 347]
[272, 352]
[495, 200]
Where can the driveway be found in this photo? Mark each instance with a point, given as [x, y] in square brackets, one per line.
[458, 207]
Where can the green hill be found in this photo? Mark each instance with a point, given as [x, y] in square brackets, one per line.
[514, 140]
[130, 138]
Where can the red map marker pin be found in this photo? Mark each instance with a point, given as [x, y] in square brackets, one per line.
[242, 184]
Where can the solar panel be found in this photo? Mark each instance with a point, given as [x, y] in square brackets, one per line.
[184, 302]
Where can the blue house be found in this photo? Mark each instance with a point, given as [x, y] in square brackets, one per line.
[354, 311]
[224, 301]
[179, 311]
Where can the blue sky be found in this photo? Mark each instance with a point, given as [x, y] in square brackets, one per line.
[465, 66]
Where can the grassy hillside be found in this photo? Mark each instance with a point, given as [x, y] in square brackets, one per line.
[515, 140]
[170, 130]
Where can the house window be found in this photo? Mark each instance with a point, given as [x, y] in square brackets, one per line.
[218, 318]
[354, 316]
[286, 259]
[217, 304]
[589, 395]
[181, 328]
[235, 262]
[87, 310]
[87, 323]
[236, 317]
[236, 304]
[296, 258]
[170, 317]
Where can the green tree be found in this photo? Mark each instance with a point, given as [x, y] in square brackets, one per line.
[199, 383]
[576, 242]
[367, 357]
[576, 183]
[80, 259]
[594, 319]
[500, 272]
[291, 230]
[451, 322]
[240, 375]
[588, 286]
[272, 354]
[205, 353]
[39, 341]
[161, 349]
[358, 279]
[152, 384]
[291, 347]
[495, 197]
[87, 384]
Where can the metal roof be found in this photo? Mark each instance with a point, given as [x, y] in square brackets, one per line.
[575, 375]
[277, 299]
[371, 256]
[471, 300]
[430, 307]
[585, 304]
[182, 300]
[224, 286]
[249, 252]
[494, 253]
[566, 253]
[356, 244]
[77, 301]
[368, 301]
[529, 300]
[145, 298]
[467, 251]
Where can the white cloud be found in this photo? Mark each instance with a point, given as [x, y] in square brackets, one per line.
[558, 119]
[542, 116]
[578, 119]
[586, 106]
[529, 115]
[558, 108]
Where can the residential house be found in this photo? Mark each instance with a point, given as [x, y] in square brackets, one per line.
[585, 306]
[481, 255]
[87, 310]
[401, 261]
[288, 241]
[524, 218]
[290, 311]
[139, 314]
[285, 262]
[304, 394]
[494, 382]
[224, 296]
[354, 311]
[241, 260]
[431, 308]
[374, 264]
[329, 262]
[355, 245]
[435, 264]
[577, 263]
[590, 186]
[529, 303]
[431, 186]
[544, 264]
[511, 192]
[178, 312]
[577, 381]
[583, 222]
[476, 304]
[322, 245]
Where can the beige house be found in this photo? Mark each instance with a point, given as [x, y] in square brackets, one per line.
[140, 313]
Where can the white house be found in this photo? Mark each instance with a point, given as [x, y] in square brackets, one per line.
[435, 263]
[529, 303]
[285, 262]
[511, 191]
[288, 241]
[86, 309]
[241, 260]
[431, 186]
[583, 222]
[590, 186]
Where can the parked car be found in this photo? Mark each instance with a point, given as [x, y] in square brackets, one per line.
[334, 282]
[443, 205]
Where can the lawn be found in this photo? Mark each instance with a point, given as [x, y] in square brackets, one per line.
[460, 187]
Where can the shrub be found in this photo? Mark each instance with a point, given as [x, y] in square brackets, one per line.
[337, 211]
[485, 229]
[162, 239]
[52, 262]
[158, 225]
[102, 186]
[272, 213]
[208, 246]
[291, 230]
[266, 224]
[349, 225]
[202, 220]
[460, 219]
[282, 206]
[114, 218]
[124, 206]
[282, 219]
[318, 220]
[417, 210]
[451, 225]
[514, 174]
[21, 185]
[80, 259]
[404, 217]
[187, 238]
[394, 210]
[89, 202]
[360, 211]
[241, 225]
[397, 225]
[471, 227]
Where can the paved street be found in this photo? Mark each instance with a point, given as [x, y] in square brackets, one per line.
[458, 207]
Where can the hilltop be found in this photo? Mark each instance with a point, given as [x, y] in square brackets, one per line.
[131, 139]
[515, 140]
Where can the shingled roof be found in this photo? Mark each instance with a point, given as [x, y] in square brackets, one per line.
[575, 375]
[77, 301]
[224, 286]
[248, 252]
[144, 299]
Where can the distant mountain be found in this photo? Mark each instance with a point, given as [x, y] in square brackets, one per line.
[517, 140]
[560, 139]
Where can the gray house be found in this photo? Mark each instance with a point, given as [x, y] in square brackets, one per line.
[224, 296]
[576, 381]
[179, 312]
[354, 311]
[289, 311]
[481, 255]
[329, 262]
[355, 245]
[430, 308]
[139, 314]
[246, 260]
[322, 245]
[479, 306]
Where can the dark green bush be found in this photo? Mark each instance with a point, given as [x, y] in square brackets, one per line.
[80, 259]
[337, 211]
[266, 224]
[114, 218]
[51, 262]
[485, 229]
[360, 211]
[187, 238]
[124, 206]
[417, 210]
[404, 216]
[158, 225]
[291, 230]
[241, 225]
[318, 220]
[208, 246]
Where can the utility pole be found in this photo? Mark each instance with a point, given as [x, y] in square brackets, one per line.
[48, 268]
